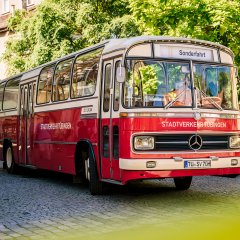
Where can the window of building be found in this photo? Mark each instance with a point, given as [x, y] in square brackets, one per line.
[6, 6]
[45, 85]
[85, 74]
[61, 84]
[29, 2]
[10, 96]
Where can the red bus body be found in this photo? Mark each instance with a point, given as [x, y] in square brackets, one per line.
[50, 135]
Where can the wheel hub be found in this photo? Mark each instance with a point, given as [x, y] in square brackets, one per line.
[9, 157]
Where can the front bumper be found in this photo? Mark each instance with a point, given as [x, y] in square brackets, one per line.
[178, 163]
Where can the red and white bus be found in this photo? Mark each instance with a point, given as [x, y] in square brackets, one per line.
[126, 109]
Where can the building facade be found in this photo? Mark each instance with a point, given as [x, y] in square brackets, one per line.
[7, 8]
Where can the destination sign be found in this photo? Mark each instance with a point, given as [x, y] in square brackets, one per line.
[182, 52]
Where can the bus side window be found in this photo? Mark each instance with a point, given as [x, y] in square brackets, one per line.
[61, 82]
[116, 90]
[1, 94]
[45, 85]
[107, 83]
[10, 96]
[85, 74]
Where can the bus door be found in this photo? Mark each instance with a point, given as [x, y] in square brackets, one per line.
[109, 122]
[26, 124]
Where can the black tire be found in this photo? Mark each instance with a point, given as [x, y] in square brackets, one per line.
[95, 185]
[80, 167]
[9, 160]
[183, 183]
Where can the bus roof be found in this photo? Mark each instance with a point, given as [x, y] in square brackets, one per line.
[125, 43]
[113, 45]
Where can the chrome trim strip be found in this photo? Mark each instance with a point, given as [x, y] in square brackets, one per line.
[181, 152]
[68, 104]
[55, 142]
[180, 115]
[215, 142]
[180, 142]
[9, 113]
[172, 164]
[186, 142]
[187, 152]
[88, 116]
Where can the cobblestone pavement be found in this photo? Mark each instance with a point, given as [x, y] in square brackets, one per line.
[45, 205]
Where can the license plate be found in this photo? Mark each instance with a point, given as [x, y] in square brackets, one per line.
[197, 164]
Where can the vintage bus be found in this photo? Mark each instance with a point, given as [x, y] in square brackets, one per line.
[126, 109]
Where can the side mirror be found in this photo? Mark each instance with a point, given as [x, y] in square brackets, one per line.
[121, 73]
[185, 69]
[236, 72]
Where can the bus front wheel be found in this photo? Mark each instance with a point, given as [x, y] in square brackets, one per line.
[9, 160]
[95, 185]
[183, 183]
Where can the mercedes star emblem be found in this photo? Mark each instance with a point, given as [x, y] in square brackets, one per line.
[195, 142]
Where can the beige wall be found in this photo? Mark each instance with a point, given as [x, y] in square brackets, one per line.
[3, 39]
[4, 34]
[18, 4]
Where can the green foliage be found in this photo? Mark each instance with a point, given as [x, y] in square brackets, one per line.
[149, 78]
[59, 27]
[217, 21]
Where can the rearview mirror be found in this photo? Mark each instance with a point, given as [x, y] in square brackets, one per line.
[121, 73]
[236, 71]
[185, 69]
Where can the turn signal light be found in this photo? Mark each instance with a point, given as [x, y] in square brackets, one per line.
[234, 162]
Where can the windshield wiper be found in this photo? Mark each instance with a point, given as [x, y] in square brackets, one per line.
[174, 100]
[210, 100]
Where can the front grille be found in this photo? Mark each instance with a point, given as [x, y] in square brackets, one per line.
[180, 142]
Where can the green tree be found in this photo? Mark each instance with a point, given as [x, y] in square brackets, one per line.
[59, 27]
[217, 21]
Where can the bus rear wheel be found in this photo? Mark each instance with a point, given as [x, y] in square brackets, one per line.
[183, 183]
[9, 160]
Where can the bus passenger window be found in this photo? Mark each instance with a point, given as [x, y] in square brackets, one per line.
[61, 82]
[115, 142]
[105, 147]
[85, 74]
[107, 82]
[1, 93]
[116, 90]
[10, 96]
[45, 85]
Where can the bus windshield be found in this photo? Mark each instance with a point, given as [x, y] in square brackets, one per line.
[215, 86]
[167, 84]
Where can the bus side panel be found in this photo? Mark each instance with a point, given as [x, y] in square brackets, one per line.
[128, 175]
[1, 138]
[130, 126]
[116, 172]
[9, 126]
[56, 135]
[160, 126]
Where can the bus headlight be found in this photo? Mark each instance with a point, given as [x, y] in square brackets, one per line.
[143, 143]
[234, 142]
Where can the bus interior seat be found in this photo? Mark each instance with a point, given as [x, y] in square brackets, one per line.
[158, 101]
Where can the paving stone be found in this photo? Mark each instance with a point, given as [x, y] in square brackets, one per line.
[46, 206]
